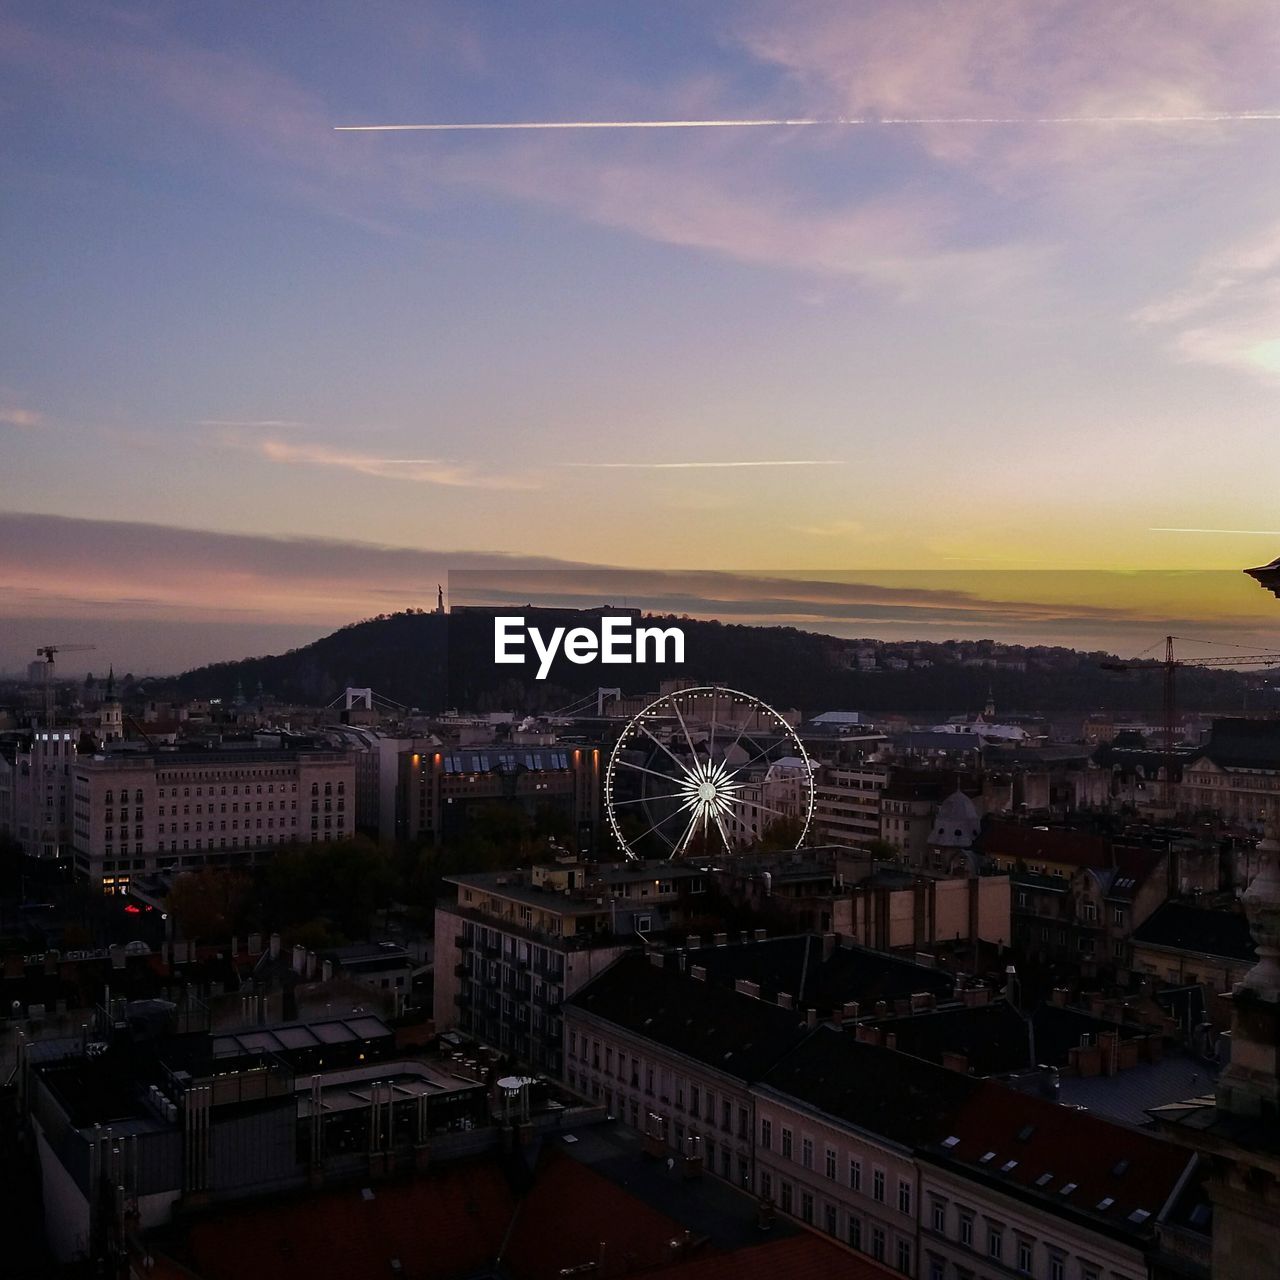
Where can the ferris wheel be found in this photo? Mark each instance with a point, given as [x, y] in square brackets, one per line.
[703, 770]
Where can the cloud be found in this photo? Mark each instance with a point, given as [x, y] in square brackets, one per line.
[1228, 314]
[832, 529]
[12, 416]
[280, 424]
[416, 470]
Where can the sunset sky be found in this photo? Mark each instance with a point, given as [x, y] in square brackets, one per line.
[259, 377]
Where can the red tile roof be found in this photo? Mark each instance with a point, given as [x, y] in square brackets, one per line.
[802, 1257]
[1104, 1161]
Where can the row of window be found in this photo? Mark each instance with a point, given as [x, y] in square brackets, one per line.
[1013, 1249]
[801, 1203]
[831, 1164]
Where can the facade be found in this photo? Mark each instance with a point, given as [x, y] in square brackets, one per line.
[673, 1057]
[35, 791]
[515, 945]
[837, 1126]
[138, 813]
[897, 910]
[847, 802]
[1237, 775]
[906, 817]
[437, 789]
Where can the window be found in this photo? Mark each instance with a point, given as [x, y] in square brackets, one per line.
[786, 1143]
[1089, 1272]
[939, 1216]
[806, 1206]
[904, 1257]
[966, 1228]
[995, 1243]
[1091, 912]
[877, 1243]
[693, 1101]
[877, 1185]
[937, 1268]
[766, 1184]
[1057, 1266]
[904, 1196]
[829, 1219]
[855, 1232]
[1026, 1257]
[726, 1115]
[744, 1123]
[855, 1173]
[831, 1163]
[766, 1133]
[806, 1152]
[785, 1194]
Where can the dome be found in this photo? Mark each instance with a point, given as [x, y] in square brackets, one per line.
[956, 825]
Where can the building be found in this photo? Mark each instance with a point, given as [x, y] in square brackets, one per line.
[1184, 944]
[1236, 775]
[514, 945]
[142, 1115]
[437, 790]
[838, 1123]
[1078, 896]
[895, 909]
[1021, 1186]
[137, 812]
[846, 802]
[383, 967]
[907, 807]
[673, 1056]
[35, 790]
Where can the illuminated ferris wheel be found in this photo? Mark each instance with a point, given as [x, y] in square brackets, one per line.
[702, 770]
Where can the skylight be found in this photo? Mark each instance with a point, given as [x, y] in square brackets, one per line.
[1044, 1179]
[987, 1158]
[1105, 1203]
[1008, 1166]
[1067, 1188]
[1025, 1132]
[1139, 1216]
[951, 1142]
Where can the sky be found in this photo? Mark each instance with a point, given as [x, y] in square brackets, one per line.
[260, 377]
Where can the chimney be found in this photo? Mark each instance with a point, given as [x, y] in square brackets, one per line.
[326, 971]
[850, 1009]
[761, 934]
[692, 942]
[698, 973]
[255, 944]
[721, 939]
[275, 946]
[747, 988]
[890, 1039]
[955, 1061]
[1059, 996]
[785, 1001]
[299, 959]
[811, 1018]
[656, 958]
[828, 946]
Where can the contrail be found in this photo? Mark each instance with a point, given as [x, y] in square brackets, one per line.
[680, 466]
[1212, 117]
[1261, 533]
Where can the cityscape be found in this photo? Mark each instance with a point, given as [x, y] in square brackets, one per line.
[640, 641]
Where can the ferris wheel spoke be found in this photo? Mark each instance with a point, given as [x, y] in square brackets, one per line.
[675, 759]
[683, 842]
[639, 768]
[764, 808]
[711, 745]
[693, 754]
[675, 795]
[724, 835]
[675, 813]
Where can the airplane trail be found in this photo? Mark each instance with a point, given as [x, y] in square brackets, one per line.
[1214, 117]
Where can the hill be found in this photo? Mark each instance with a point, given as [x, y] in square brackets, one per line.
[433, 661]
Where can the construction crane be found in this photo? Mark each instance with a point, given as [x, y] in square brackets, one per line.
[1169, 665]
[47, 652]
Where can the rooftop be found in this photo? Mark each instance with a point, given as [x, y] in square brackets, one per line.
[731, 1032]
[880, 1090]
[1113, 1176]
[1184, 927]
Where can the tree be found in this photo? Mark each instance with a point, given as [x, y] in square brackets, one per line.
[209, 903]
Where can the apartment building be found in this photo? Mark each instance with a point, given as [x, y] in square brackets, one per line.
[673, 1056]
[847, 802]
[137, 813]
[838, 1122]
[35, 790]
[438, 789]
[514, 945]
